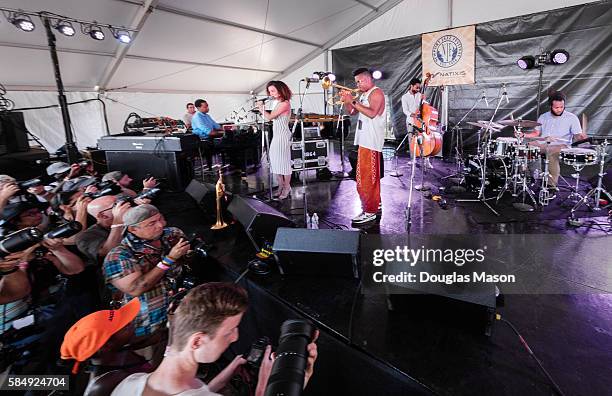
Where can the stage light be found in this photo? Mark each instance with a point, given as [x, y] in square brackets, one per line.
[65, 28]
[526, 62]
[23, 22]
[96, 33]
[559, 57]
[332, 77]
[122, 35]
[376, 74]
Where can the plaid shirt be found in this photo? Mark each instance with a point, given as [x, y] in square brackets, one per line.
[134, 254]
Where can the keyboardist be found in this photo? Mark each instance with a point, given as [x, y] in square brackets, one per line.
[206, 128]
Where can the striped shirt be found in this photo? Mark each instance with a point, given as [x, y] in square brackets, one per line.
[134, 254]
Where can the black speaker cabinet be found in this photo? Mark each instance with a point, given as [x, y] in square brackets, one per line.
[206, 197]
[318, 251]
[259, 220]
[173, 168]
[13, 132]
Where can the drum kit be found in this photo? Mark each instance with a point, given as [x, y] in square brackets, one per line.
[503, 165]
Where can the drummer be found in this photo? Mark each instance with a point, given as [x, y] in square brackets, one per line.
[562, 127]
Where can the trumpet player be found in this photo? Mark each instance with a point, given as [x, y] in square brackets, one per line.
[370, 138]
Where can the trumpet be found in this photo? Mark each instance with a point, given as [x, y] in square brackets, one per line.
[326, 83]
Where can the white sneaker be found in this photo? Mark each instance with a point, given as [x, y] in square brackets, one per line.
[364, 217]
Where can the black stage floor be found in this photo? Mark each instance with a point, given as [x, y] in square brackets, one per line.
[367, 349]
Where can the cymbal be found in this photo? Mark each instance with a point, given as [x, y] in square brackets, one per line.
[484, 125]
[520, 123]
[546, 139]
[493, 124]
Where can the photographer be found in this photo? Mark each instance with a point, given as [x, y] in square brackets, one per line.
[19, 215]
[141, 267]
[13, 192]
[71, 206]
[202, 327]
[124, 181]
[100, 238]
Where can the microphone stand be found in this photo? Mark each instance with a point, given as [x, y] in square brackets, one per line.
[299, 117]
[483, 169]
[266, 142]
[459, 143]
[340, 126]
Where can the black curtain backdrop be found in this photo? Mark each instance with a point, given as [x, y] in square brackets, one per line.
[584, 31]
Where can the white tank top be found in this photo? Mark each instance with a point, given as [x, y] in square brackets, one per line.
[370, 132]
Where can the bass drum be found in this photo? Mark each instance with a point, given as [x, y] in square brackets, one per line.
[497, 173]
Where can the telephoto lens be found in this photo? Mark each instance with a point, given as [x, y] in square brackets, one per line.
[112, 189]
[65, 230]
[20, 240]
[287, 376]
[24, 185]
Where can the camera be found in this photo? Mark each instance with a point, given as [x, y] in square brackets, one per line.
[65, 230]
[20, 240]
[287, 375]
[105, 188]
[199, 247]
[256, 354]
[149, 194]
[24, 185]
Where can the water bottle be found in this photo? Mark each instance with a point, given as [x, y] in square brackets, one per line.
[315, 221]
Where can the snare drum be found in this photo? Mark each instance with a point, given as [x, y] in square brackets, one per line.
[524, 151]
[577, 156]
[501, 147]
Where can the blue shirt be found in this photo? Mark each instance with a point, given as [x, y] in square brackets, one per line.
[202, 124]
[564, 126]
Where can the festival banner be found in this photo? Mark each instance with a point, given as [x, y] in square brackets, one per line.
[449, 56]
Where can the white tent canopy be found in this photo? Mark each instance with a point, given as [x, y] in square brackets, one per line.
[220, 50]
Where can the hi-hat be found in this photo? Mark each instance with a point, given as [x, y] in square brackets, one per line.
[519, 123]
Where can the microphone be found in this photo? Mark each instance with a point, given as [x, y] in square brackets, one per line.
[484, 96]
[505, 93]
[264, 100]
[311, 80]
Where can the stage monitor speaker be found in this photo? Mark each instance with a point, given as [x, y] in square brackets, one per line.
[318, 251]
[171, 168]
[206, 197]
[259, 220]
[14, 133]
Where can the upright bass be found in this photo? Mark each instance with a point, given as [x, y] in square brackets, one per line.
[426, 123]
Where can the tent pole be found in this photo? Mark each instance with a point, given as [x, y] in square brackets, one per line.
[71, 150]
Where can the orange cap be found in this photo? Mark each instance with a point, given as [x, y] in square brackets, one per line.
[91, 332]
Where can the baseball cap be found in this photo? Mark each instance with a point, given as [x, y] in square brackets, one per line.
[57, 168]
[114, 175]
[13, 210]
[78, 183]
[138, 214]
[91, 332]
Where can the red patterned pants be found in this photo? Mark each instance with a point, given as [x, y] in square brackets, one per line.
[368, 179]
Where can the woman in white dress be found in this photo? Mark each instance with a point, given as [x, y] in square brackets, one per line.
[280, 147]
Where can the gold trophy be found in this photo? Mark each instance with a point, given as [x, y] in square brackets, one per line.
[220, 191]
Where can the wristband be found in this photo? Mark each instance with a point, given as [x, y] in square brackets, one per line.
[167, 263]
[162, 266]
[171, 259]
[14, 269]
